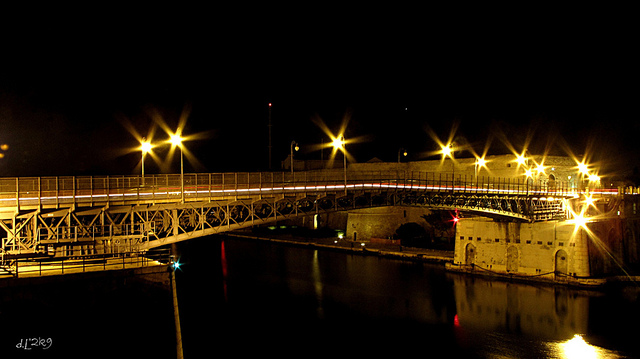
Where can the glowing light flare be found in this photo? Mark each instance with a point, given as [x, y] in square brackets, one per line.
[176, 140]
[579, 221]
[338, 143]
[521, 160]
[480, 163]
[589, 201]
[455, 217]
[3, 147]
[176, 265]
[583, 168]
[577, 347]
[446, 150]
[528, 173]
[540, 168]
[146, 147]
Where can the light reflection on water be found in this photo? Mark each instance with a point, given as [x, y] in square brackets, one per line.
[320, 299]
[578, 348]
[517, 320]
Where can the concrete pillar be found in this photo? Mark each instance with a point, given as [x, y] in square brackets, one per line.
[580, 256]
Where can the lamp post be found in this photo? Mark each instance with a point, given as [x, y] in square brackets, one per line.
[480, 162]
[176, 140]
[402, 152]
[339, 143]
[145, 147]
[294, 146]
[447, 151]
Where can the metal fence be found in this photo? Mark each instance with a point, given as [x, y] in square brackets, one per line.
[30, 267]
[29, 191]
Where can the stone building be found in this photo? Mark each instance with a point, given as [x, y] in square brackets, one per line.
[383, 222]
[557, 250]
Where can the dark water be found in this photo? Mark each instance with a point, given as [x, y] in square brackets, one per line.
[244, 298]
[92, 317]
[241, 298]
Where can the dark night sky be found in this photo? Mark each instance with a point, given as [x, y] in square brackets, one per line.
[569, 78]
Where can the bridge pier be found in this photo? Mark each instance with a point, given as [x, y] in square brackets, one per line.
[546, 249]
[382, 222]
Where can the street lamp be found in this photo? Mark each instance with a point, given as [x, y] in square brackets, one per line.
[145, 147]
[447, 151]
[294, 146]
[402, 152]
[176, 140]
[339, 144]
[480, 162]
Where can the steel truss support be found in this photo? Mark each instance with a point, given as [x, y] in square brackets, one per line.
[125, 228]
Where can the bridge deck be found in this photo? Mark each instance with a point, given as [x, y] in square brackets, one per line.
[56, 192]
[124, 213]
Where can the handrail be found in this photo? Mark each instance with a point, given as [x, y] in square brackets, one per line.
[18, 191]
[45, 265]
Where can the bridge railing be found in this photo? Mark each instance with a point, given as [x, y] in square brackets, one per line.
[30, 191]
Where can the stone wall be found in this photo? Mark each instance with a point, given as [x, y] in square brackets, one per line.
[382, 222]
[538, 248]
[556, 168]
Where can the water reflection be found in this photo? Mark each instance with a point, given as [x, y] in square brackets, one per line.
[578, 348]
[317, 283]
[502, 319]
[543, 311]
[321, 297]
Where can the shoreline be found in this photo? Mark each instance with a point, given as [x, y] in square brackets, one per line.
[434, 256]
[343, 245]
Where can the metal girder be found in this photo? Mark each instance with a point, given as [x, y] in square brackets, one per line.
[147, 220]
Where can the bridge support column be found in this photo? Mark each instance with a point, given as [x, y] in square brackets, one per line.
[174, 222]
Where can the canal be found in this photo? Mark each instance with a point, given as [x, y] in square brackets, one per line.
[243, 298]
[248, 298]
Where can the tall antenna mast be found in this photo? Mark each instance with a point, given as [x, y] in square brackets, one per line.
[269, 136]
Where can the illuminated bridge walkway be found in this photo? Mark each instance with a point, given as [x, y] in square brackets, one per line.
[65, 216]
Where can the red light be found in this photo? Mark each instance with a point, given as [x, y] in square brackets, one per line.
[269, 104]
[456, 322]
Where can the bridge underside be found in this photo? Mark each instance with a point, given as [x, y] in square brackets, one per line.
[135, 227]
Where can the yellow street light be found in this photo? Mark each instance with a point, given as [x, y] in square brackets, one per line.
[480, 162]
[145, 147]
[176, 140]
[338, 143]
[583, 168]
[296, 147]
[446, 151]
[528, 173]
